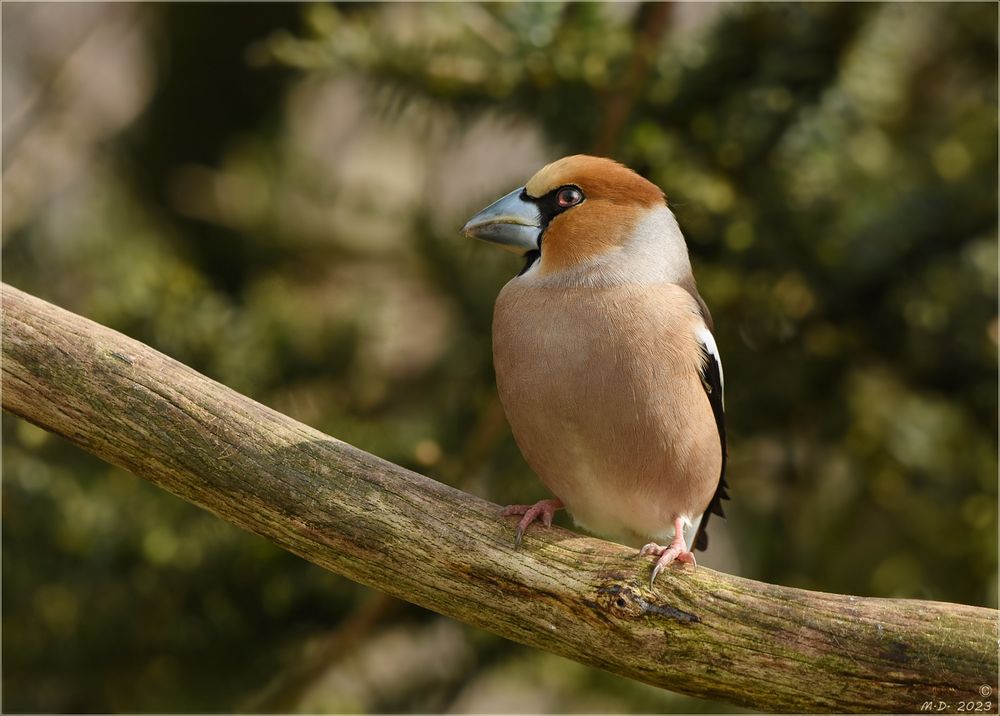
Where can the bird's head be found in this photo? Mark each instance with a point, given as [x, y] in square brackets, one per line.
[580, 212]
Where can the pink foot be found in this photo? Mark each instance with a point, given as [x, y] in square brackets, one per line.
[545, 509]
[676, 550]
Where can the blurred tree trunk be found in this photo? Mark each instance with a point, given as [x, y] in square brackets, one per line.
[699, 632]
[651, 24]
[196, 117]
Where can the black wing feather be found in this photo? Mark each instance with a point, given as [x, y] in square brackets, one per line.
[711, 378]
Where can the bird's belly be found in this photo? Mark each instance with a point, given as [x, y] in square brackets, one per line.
[604, 490]
[627, 481]
[608, 416]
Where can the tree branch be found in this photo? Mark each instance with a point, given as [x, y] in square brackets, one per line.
[699, 632]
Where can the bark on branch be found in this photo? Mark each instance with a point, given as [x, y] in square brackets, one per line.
[699, 632]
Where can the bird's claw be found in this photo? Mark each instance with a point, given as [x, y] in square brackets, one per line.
[544, 509]
[656, 570]
[518, 536]
[676, 550]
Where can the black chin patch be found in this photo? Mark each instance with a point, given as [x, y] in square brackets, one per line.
[529, 259]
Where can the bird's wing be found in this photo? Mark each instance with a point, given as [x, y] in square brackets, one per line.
[689, 285]
[711, 378]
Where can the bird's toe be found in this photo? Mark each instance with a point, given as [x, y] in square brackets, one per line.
[544, 510]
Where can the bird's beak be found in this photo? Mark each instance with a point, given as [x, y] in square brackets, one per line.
[510, 222]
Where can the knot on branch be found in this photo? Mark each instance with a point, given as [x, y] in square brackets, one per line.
[630, 601]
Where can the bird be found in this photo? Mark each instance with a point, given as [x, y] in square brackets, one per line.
[605, 361]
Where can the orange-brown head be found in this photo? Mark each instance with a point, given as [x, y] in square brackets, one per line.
[572, 211]
[612, 200]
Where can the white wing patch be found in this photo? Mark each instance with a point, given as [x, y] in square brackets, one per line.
[706, 338]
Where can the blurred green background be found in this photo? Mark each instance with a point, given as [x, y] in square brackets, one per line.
[271, 193]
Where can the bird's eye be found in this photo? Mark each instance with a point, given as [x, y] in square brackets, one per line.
[569, 196]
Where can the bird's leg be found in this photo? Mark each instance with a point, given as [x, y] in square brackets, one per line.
[544, 509]
[677, 549]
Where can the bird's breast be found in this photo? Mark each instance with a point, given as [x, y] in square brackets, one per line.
[602, 390]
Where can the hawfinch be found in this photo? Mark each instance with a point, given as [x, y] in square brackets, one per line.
[605, 361]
